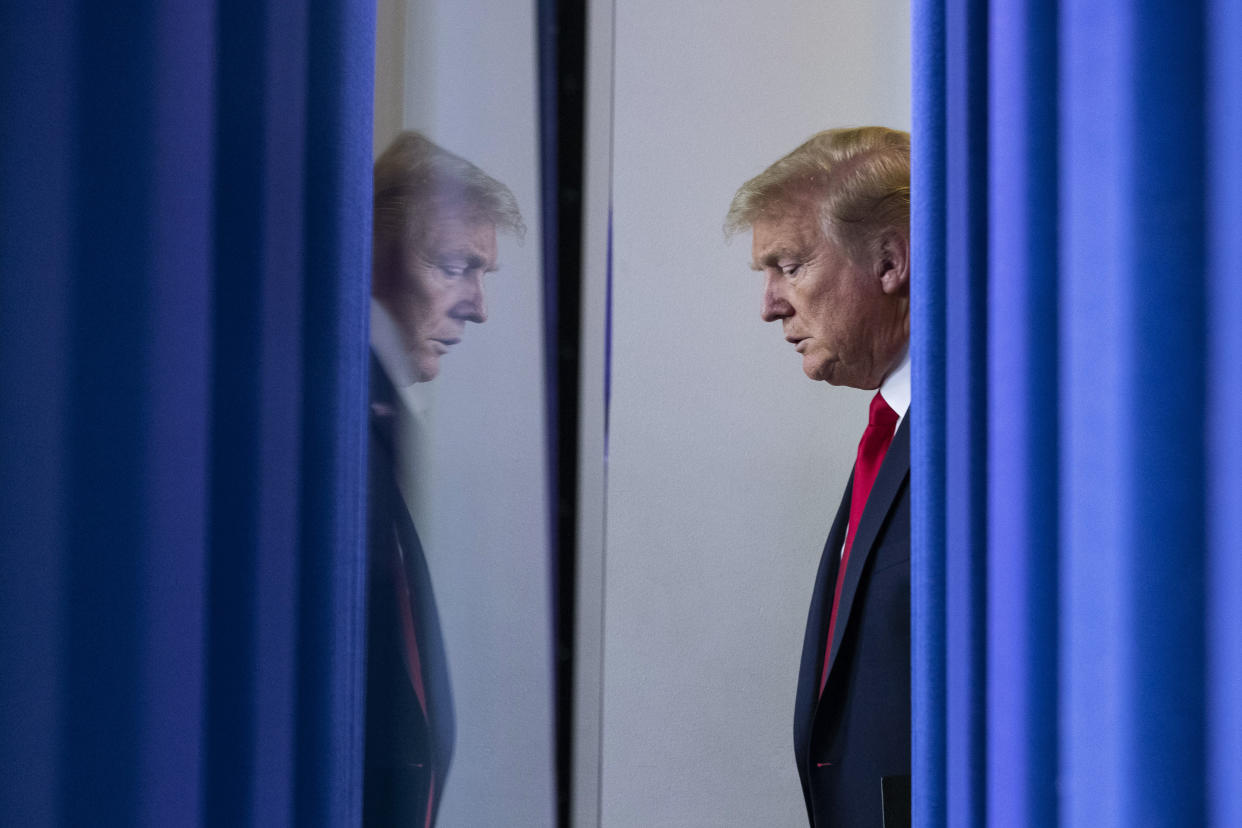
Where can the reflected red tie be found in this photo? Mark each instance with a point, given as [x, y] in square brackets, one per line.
[413, 661]
[881, 423]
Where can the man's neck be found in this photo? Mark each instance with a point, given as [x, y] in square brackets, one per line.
[386, 343]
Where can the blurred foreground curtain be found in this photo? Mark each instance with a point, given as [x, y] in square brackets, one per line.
[1077, 344]
[185, 203]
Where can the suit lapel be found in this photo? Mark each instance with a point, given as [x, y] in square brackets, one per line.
[441, 719]
[888, 483]
[813, 645]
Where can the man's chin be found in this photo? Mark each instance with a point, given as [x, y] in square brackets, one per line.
[820, 370]
[425, 369]
[832, 374]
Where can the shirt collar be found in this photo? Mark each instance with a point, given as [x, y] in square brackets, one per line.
[896, 386]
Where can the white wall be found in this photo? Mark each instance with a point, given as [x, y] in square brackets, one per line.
[463, 72]
[726, 463]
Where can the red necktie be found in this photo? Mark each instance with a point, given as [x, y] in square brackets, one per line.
[871, 449]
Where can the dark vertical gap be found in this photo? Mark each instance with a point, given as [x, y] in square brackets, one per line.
[237, 273]
[107, 403]
[562, 61]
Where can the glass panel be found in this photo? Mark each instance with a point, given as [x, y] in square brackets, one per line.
[470, 434]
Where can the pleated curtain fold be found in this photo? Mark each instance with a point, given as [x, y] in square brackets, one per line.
[184, 267]
[1077, 338]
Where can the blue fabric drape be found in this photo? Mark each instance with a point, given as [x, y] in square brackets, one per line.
[184, 243]
[927, 426]
[966, 443]
[1099, 426]
[1224, 399]
[1133, 413]
[1022, 420]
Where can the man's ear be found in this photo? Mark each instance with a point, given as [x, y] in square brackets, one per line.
[893, 263]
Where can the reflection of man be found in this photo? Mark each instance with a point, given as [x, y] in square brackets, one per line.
[831, 235]
[436, 217]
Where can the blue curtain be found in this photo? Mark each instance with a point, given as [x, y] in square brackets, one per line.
[1077, 346]
[1223, 80]
[184, 243]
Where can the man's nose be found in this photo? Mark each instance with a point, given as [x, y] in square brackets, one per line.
[774, 305]
[472, 305]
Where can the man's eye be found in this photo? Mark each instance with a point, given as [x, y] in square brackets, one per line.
[452, 270]
[790, 269]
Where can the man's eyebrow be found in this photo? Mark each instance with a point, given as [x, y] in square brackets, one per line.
[464, 255]
[773, 257]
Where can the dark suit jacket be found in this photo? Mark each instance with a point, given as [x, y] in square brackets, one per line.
[407, 750]
[858, 732]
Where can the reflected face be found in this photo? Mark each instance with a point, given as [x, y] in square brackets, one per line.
[848, 320]
[433, 285]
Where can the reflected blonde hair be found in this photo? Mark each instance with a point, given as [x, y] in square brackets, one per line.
[859, 177]
[415, 179]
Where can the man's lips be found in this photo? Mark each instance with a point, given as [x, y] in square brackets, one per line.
[443, 344]
[796, 341]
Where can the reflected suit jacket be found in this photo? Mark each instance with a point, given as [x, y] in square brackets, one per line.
[409, 742]
[853, 743]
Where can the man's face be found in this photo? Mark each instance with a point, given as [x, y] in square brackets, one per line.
[848, 319]
[434, 286]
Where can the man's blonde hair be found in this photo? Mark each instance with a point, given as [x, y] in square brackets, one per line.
[859, 178]
[415, 180]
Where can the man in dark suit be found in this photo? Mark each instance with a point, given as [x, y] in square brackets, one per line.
[436, 217]
[831, 235]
